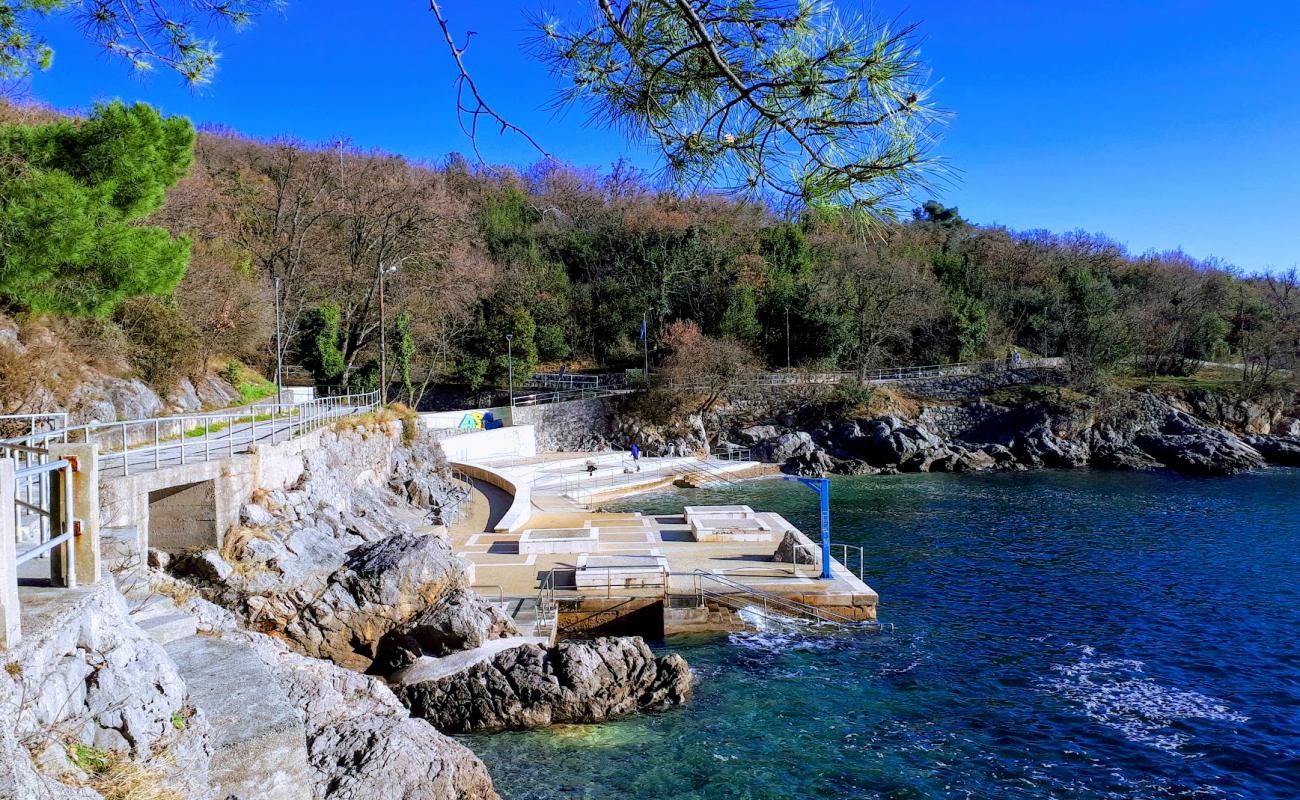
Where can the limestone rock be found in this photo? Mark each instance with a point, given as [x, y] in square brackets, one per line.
[787, 552]
[757, 433]
[89, 672]
[256, 516]
[532, 686]
[459, 621]
[1284, 450]
[20, 780]
[361, 742]
[785, 447]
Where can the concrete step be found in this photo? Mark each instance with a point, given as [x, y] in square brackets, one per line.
[259, 745]
[167, 628]
[149, 607]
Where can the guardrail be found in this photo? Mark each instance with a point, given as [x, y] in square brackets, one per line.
[814, 552]
[556, 380]
[709, 586]
[564, 396]
[153, 442]
[458, 508]
[886, 375]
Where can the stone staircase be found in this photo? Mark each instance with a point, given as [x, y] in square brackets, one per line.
[259, 743]
[158, 616]
[708, 618]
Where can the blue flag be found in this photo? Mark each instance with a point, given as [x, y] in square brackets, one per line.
[641, 338]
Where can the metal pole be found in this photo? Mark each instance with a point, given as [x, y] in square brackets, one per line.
[824, 490]
[510, 365]
[279, 349]
[383, 340]
[645, 346]
[787, 337]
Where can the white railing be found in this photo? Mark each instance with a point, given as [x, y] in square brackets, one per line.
[154, 442]
[564, 396]
[556, 380]
[459, 507]
[815, 554]
[54, 506]
[887, 375]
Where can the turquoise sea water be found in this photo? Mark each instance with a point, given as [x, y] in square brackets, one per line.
[1060, 635]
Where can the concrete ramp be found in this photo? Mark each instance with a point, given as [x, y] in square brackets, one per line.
[259, 744]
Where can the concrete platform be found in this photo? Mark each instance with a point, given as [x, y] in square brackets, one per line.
[559, 540]
[669, 540]
[620, 572]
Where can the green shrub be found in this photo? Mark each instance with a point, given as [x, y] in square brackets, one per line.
[320, 344]
[851, 393]
[162, 344]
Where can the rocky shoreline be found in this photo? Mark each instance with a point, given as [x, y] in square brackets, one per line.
[974, 424]
[299, 676]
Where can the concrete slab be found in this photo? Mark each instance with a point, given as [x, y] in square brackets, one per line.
[558, 540]
[259, 745]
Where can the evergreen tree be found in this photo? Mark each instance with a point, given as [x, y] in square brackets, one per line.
[69, 195]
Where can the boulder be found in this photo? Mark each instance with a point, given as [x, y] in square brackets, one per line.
[1205, 453]
[1040, 446]
[813, 464]
[788, 551]
[1284, 450]
[458, 621]
[532, 686]
[785, 447]
[757, 433]
[362, 743]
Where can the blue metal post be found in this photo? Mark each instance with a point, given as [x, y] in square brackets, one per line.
[822, 486]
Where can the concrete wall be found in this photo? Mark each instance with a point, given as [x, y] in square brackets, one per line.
[520, 440]
[210, 494]
[521, 506]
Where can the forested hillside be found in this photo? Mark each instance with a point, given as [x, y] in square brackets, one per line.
[568, 261]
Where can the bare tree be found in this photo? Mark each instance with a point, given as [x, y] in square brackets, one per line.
[703, 364]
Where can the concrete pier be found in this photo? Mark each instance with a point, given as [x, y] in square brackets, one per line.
[638, 573]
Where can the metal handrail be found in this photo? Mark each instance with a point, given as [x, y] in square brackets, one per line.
[501, 592]
[814, 552]
[43, 476]
[547, 611]
[767, 599]
[887, 375]
[170, 434]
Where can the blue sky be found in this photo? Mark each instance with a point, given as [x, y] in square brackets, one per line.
[1160, 124]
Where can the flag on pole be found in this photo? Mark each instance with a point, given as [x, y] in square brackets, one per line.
[641, 338]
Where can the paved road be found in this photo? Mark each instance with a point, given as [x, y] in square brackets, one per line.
[218, 444]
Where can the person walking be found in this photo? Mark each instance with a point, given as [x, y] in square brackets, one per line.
[636, 456]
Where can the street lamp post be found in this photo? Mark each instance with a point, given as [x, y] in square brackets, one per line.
[510, 365]
[787, 337]
[279, 348]
[384, 270]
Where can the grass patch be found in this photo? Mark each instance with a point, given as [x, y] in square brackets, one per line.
[1205, 379]
[117, 778]
[250, 385]
[221, 426]
[381, 418]
[238, 538]
[1061, 398]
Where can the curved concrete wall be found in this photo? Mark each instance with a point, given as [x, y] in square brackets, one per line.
[472, 445]
[521, 506]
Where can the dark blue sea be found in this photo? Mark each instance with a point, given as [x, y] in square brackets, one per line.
[1059, 635]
